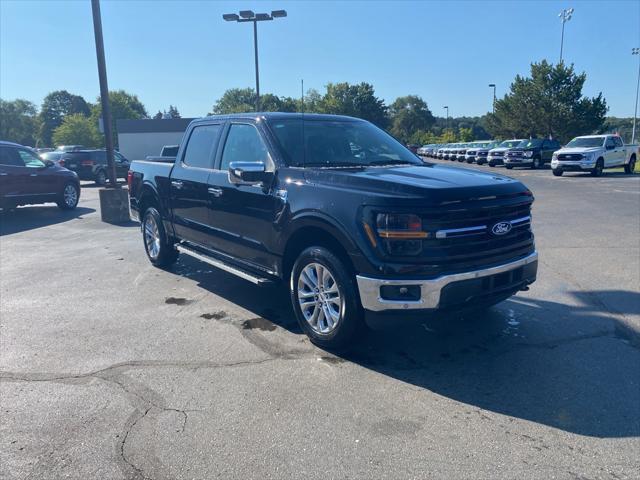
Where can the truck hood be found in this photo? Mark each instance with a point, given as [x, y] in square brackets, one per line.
[579, 150]
[501, 149]
[432, 183]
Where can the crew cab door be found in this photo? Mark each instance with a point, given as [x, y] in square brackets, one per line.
[611, 153]
[189, 197]
[243, 216]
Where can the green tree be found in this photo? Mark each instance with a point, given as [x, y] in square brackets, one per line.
[76, 129]
[19, 122]
[124, 106]
[158, 116]
[549, 102]
[465, 134]
[173, 111]
[409, 115]
[55, 106]
[355, 100]
[235, 100]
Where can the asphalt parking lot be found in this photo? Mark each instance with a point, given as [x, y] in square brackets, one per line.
[113, 369]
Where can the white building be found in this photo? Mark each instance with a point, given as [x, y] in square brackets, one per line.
[138, 139]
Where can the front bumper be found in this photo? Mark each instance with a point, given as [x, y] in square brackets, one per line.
[518, 161]
[573, 165]
[451, 290]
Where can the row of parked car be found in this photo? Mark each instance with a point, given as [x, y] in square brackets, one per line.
[592, 153]
[88, 163]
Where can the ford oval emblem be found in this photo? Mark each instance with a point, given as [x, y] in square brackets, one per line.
[501, 228]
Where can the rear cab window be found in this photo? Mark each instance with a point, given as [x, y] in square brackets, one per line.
[201, 146]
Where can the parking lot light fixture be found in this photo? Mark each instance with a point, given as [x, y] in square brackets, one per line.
[636, 51]
[494, 96]
[250, 16]
[565, 15]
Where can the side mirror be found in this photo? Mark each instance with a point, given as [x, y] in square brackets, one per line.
[248, 173]
[48, 163]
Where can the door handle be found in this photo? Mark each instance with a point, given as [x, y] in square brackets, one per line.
[33, 174]
[177, 183]
[216, 192]
[3, 174]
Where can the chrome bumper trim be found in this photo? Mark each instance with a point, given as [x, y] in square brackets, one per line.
[369, 288]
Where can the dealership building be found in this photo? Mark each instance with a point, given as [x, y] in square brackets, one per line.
[138, 139]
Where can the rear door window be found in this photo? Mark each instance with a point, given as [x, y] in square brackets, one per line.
[9, 156]
[201, 146]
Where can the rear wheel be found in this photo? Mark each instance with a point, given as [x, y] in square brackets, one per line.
[69, 196]
[160, 250]
[325, 299]
[101, 177]
[557, 172]
[631, 166]
[508, 167]
[597, 171]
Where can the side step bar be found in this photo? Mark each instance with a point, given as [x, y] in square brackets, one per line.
[223, 266]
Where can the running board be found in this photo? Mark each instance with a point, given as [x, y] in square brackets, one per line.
[224, 266]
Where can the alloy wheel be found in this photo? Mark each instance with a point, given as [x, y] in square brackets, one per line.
[151, 236]
[319, 298]
[70, 195]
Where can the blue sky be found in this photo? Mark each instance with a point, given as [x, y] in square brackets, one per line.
[183, 53]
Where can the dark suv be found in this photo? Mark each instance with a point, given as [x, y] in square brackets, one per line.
[339, 212]
[25, 179]
[533, 153]
[92, 164]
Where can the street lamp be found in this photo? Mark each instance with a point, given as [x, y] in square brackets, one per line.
[565, 16]
[636, 51]
[447, 122]
[494, 96]
[249, 16]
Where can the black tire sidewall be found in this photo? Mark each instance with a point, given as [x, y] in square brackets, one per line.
[350, 315]
[167, 254]
[62, 204]
[101, 177]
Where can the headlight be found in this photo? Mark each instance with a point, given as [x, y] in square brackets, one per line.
[528, 154]
[401, 233]
[554, 157]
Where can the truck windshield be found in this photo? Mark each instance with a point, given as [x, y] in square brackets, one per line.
[533, 143]
[510, 143]
[586, 142]
[331, 143]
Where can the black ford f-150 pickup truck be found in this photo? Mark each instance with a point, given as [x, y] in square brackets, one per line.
[344, 215]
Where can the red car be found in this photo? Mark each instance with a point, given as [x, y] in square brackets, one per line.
[25, 179]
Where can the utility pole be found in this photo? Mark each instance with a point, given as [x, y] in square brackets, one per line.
[249, 16]
[636, 51]
[565, 16]
[494, 96]
[104, 92]
[447, 122]
[302, 94]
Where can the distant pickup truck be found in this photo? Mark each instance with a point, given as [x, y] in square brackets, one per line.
[594, 153]
[167, 154]
[342, 214]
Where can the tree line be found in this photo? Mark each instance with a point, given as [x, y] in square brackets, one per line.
[547, 103]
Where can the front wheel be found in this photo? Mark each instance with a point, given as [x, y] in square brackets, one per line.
[536, 163]
[69, 197]
[597, 172]
[325, 299]
[508, 167]
[557, 172]
[630, 167]
[160, 250]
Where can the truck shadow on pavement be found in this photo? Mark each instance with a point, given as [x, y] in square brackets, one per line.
[28, 218]
[572, 367]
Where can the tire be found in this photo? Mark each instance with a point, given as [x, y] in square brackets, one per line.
[332, 317]
[508, 167]
[631, 166]
[101, 177]
[69, 197]
[160, 251]
[557, 172]
[597, 172]
[491, 165]
[536, 163]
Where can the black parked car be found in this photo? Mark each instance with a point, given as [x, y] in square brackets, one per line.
[25, 179]
[533, 153]
[339, 212]
[92, 165]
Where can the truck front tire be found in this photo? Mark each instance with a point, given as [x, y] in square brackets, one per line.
[325, 299]
[160, 250]
[597, 171]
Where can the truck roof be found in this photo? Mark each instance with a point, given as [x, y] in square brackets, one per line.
[280, 115]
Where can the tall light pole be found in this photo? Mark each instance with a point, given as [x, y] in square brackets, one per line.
[565, 16]
[636, 51]
[494, 96]
[249, 16]
[447, 123]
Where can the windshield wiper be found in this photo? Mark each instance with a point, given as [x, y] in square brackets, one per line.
[389, 161]
[332, 164]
